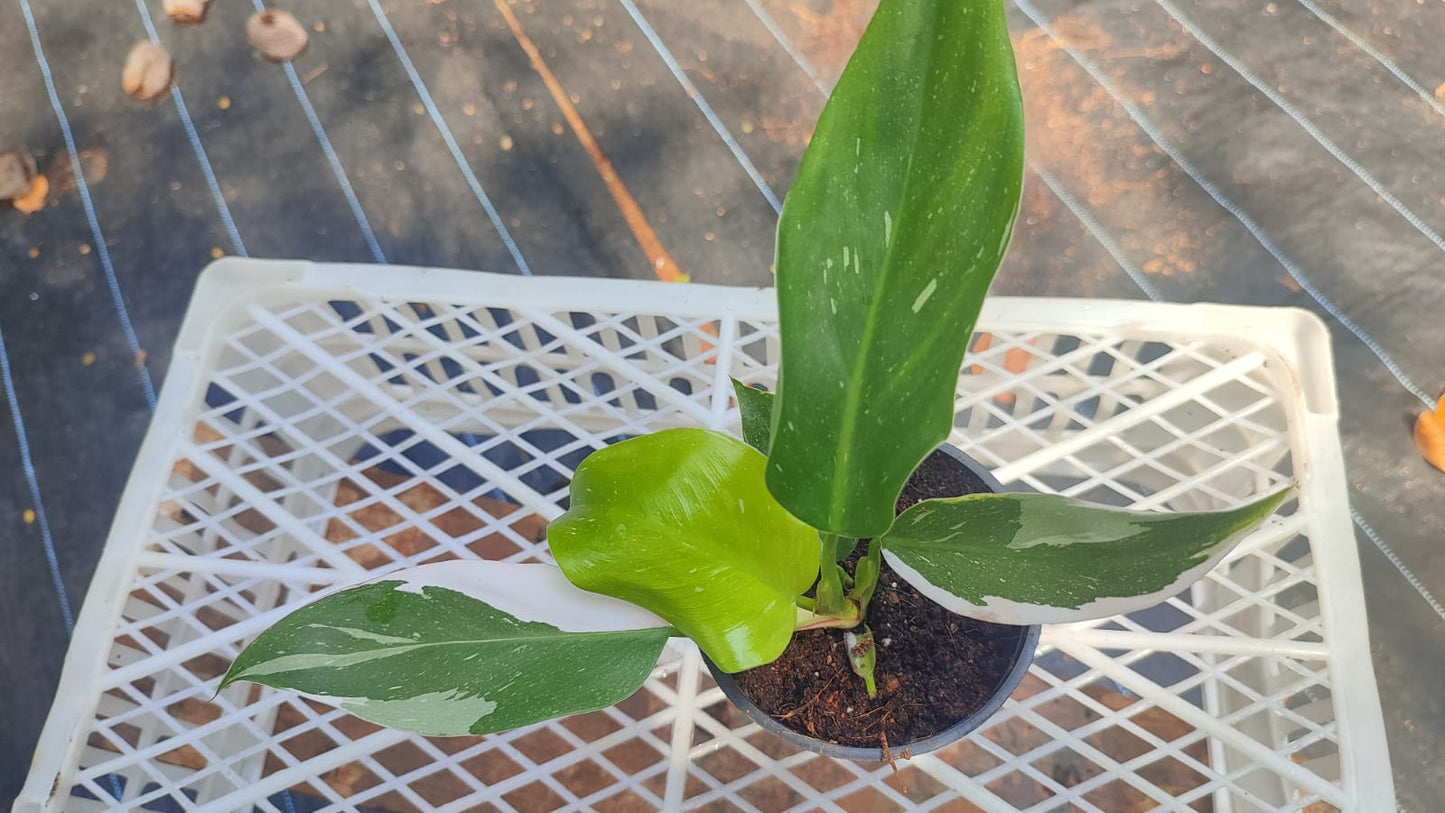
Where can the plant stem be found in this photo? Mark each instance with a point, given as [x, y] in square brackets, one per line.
[831, 600]
[809, 620]
[865, 576]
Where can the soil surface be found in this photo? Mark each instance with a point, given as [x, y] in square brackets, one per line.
[934, 667]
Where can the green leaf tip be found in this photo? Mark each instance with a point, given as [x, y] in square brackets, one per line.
[755, 409]
[1042, 558]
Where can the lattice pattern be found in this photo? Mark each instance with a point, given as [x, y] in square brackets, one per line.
[331, 438]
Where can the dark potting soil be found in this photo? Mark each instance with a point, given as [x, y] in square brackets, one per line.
[934, 668]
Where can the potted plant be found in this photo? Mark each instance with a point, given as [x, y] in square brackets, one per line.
[794, 541]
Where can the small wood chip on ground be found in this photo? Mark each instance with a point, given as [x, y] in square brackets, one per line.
[276, 35]
[34, 200]
[20, 183]
[1430, 436]
[17, 174]
[148, 71]
[186, 12]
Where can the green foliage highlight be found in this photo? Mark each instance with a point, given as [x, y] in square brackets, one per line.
[680, 522]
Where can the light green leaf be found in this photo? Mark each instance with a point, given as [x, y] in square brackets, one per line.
[755, 408]
[680, 522]
[894, 226]
[455, 648]
[1045, 559]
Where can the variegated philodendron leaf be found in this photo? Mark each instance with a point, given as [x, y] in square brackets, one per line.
[465, 647]
[1045, 559]
[681, 522]
[755, 409]
[894, 226]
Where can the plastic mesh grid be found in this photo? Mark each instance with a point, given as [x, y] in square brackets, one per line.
[335, 438]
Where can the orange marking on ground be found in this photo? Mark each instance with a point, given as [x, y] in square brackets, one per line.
[1430, 435]
[708, 329]
[984, 342]
[1015, 360]
[662, 263]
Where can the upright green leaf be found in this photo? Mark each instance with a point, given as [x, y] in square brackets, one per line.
[459, 648]
[894, 226]
[1045, 559]
[755, 408]
[680, 522]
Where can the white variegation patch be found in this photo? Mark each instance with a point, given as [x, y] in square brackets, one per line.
[457, 648]
[326, 660]
[529, 592]
[1005, 611]
[1042, 527]
[435, 714]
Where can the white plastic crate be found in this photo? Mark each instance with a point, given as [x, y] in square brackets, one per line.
[323, 422]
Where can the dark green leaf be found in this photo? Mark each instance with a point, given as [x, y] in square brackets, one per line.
[1045, 559]
[893, 229]
[460, 648]
[681, 522]
[756, 410]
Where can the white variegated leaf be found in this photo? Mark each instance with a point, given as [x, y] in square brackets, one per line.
[464, 647]
[1044, 559]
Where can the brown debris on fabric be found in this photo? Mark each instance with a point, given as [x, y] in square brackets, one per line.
[17, 174]
[186, 12]
[1430, 436]
[20, 183]
[276, 35]
[148, 71]
[34, 200]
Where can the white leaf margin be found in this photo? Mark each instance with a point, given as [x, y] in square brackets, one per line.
[996, 610]
[529, 591]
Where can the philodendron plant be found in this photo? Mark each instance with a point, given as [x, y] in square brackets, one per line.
[892, 231]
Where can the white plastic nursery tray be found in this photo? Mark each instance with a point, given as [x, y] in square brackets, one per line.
[323, 422]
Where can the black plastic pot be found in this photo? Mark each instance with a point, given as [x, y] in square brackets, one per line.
[1022, 654]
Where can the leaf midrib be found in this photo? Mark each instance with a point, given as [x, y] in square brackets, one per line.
[849, 422]
[401, 648]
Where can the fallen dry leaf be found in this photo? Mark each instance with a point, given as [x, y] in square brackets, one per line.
[34, 200]
[186, 12]
[17, 172]
[276, 35]
[1430, 437]
[94, 164]
[147, 71]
